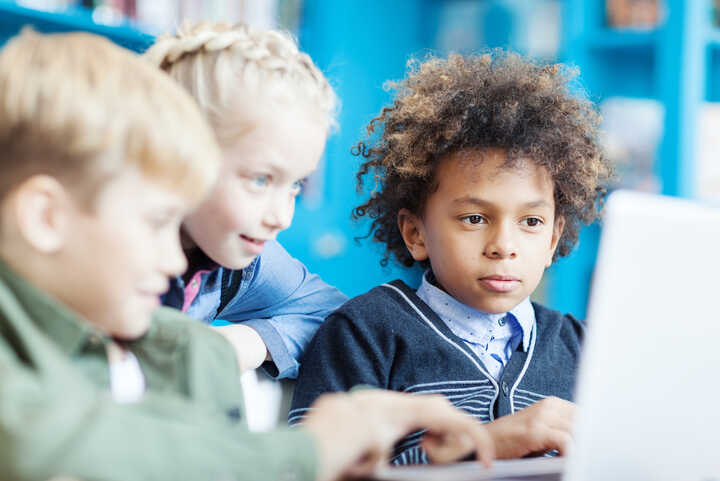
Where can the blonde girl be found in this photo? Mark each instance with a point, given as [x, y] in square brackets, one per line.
[271, 109]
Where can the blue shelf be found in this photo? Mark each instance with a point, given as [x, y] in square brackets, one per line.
[714, 38]
[14, 17]
[630, 40]
[676, 64]
[636, 40]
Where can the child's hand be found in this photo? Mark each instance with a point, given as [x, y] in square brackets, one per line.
[541, 427]
[356, 432]
[250, 349]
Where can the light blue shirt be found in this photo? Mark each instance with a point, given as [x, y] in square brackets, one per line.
[275, 295]
[492, 337]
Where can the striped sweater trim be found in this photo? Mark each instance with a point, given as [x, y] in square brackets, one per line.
[443, 383]
[296, 416]
[531, 351]
[446, 339]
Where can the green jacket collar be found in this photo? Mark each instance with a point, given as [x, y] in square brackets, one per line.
[67, 330]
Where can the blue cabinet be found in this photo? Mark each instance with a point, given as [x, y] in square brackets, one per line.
[359, 48]
[360, 45]
[672, 63]
[14, 17]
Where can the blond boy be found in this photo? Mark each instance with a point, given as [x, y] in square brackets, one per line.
[102, 158]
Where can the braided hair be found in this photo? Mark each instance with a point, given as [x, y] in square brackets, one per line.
[226, 67]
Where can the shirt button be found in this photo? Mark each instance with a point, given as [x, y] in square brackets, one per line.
[505, 388]
[501, 321]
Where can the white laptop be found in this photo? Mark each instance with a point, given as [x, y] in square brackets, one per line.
[649, 382]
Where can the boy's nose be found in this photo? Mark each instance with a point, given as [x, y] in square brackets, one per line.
[174, 260]
[501, 245]
[499, 253]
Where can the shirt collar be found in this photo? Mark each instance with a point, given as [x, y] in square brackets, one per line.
[197, 261]
[447, 306]
[65, 328]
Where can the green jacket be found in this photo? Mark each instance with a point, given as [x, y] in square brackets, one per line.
[57, 416]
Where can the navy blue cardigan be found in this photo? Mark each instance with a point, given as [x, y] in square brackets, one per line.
[391, 339]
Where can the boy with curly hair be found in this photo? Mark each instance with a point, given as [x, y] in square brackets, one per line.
[484, 169]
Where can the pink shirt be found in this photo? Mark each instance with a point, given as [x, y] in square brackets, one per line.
[192, 288]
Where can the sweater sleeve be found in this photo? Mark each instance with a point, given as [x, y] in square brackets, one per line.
[343, 354]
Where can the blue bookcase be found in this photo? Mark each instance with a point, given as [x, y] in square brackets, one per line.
[673, 63]
[14, 17]
[360, 45]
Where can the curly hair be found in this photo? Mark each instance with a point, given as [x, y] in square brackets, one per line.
[498, 100]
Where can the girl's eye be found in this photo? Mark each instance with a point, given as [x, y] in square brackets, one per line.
[532, 222]
[298, 186]
[473, 219]
[261, 181]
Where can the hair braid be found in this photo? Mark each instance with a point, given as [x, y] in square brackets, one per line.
[260, 57]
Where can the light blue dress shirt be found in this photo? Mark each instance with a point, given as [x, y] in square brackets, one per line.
[275, 295]
[492, 337]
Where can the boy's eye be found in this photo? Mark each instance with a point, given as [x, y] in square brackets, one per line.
[532, 222]
[160, 222]
[157, 224]
[473, 219]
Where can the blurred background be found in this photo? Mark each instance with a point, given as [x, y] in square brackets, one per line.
[649, 64]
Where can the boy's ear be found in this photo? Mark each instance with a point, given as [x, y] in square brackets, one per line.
[413, 233]
[558, 228]
[41, 209]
